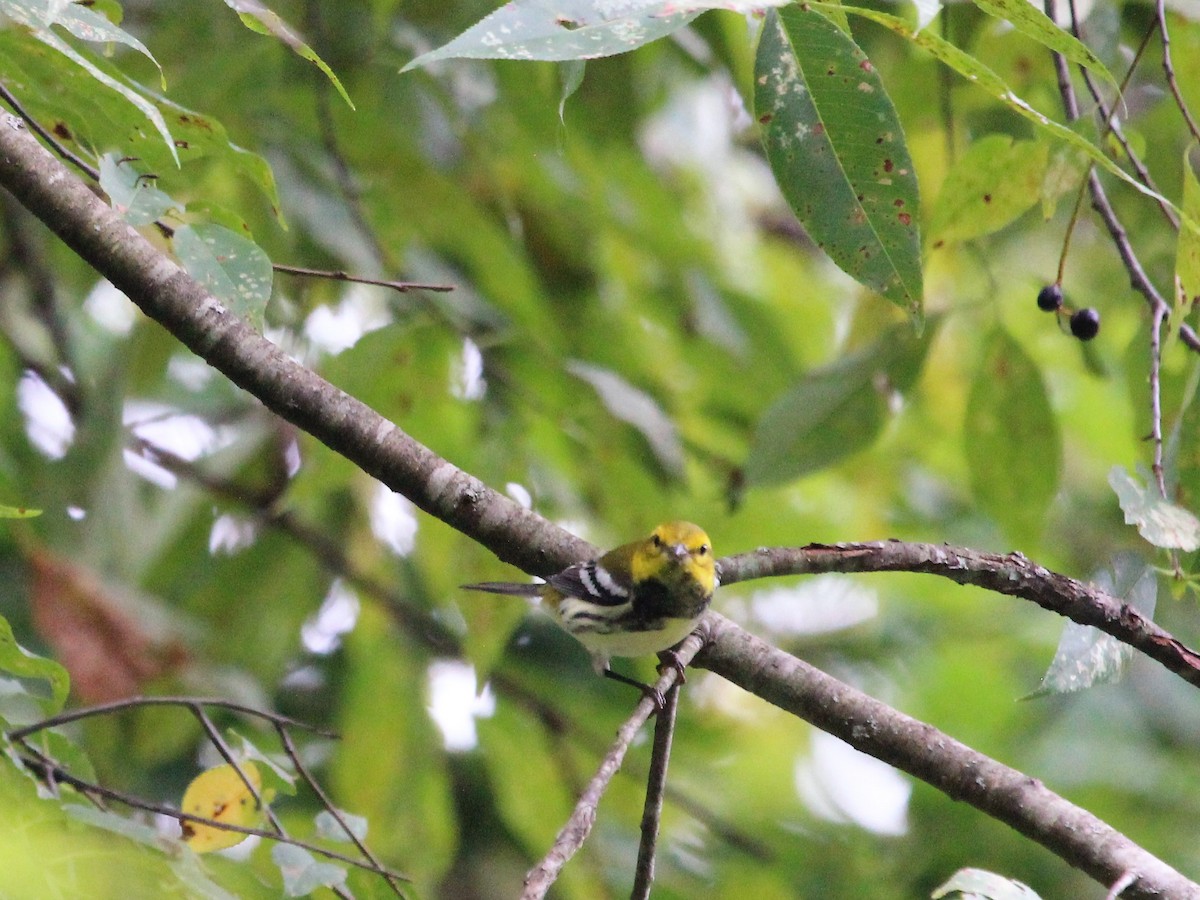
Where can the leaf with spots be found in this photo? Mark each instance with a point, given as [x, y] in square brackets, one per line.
[990, 186]
[558, 30]
[232, 268]
[984, 78]
[838, 152]
[1013, 446]
[223, 794]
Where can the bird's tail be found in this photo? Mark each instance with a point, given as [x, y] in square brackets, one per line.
[526, 589]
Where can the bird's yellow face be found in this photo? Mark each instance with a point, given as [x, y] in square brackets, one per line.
[676, 553]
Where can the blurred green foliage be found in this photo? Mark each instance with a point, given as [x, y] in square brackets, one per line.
[636, 251]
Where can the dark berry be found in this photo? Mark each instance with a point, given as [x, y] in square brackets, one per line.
[1085, 323]
[1050, 297]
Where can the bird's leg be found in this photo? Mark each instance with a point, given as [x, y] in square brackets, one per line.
[669, 659]
[647, 690]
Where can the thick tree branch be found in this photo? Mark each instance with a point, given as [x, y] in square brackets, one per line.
[1022, 802]
[164, 292]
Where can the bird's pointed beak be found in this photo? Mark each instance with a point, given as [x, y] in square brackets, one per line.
[679, 551]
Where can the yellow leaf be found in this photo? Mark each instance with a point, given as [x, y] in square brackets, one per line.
[221, 794]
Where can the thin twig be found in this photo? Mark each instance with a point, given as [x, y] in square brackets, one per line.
[1160, 13]
[1108, 118]
[577, 828]
[656, 784]
[289, 747]
[15, 105]
[401, 286]
[101, 709]
[227, 754]
[1158, 316]
[62, 775]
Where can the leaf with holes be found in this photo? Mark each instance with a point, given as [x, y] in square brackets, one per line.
[838, 152]
[232, 268]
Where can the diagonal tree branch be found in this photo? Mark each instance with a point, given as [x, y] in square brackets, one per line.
[164, 292]
[963, 774]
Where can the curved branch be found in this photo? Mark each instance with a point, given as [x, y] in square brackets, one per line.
[1010, 574]
[1019, 801]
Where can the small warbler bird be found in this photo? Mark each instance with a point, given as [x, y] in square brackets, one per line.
[638, 599]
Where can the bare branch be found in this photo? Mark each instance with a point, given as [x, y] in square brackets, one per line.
[656, 786]
[963, 774]
[1010, 574]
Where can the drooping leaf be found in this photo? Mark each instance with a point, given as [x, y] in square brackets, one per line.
[1087, 656]
[977, 884]
[1033, 23]
[639, 409]
[989, 187]
[86, 24]
[232, 268]
[835, 411]
[262, 20]
[1159, 521]
[1013, 446]
[148, 109]
[838, 152]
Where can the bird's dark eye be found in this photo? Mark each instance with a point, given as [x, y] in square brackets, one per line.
[702, 550]
[656, 540]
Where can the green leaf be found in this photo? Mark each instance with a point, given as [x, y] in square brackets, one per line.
[990, 186]
[302, 873]
[233, 269]
[639, 409]
[558, 30]
[148, 109]
[979, 74]
[1160, 522]
[977, 884]
[261, 20]
[16, 660]
[838, 152]
[1013, 445]
[1187, 254]
[1087, 656]
[18, 512]
[835, 411]
[1034, 23]
[131, 192]
[79, 20]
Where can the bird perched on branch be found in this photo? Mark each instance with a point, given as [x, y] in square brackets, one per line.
[641, 598]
